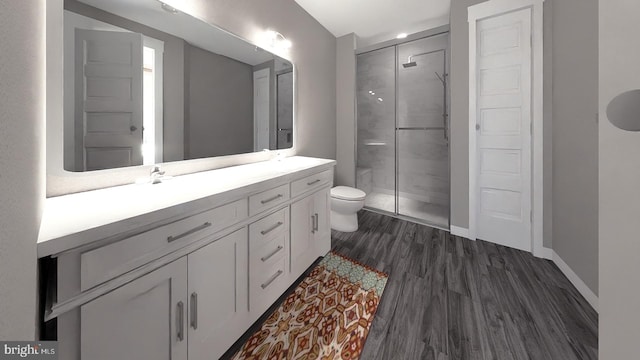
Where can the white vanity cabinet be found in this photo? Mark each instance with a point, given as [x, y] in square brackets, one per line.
[142, 320]
[310, 231]
[185, 281]
[202, 318]
[218, 296]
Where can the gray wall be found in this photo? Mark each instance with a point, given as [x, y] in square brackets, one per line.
[459, 112]
[619, 203]
[575, 136]
[21, 162]
[220, 105]
[345, 110]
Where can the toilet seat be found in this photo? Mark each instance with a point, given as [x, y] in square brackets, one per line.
[347, 193]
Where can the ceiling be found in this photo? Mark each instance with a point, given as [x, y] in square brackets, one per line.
[377, 19]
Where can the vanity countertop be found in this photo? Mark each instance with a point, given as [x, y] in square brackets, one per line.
[77, 219]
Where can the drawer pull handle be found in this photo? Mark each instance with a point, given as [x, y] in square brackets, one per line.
[271, 199]
[180, 320]
[194, 311]
[313, 224]
[273, 278]
[315, 227]
[313, 182]
[265, 232]
[265, 258]
[189, 232]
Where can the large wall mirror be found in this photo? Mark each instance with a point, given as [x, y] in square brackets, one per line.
[145, 84]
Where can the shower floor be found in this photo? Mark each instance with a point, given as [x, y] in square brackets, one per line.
[433, 214]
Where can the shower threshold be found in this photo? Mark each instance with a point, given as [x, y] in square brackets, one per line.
[434, 215]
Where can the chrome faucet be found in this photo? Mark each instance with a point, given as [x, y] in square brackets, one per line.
[156, 175]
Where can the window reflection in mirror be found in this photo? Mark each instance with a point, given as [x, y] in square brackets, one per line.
[144, 86]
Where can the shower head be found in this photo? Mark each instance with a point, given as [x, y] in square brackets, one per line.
[410, 64]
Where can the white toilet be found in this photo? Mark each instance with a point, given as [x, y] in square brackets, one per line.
[345, 204]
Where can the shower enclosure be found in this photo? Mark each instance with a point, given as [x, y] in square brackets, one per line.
[402, 131]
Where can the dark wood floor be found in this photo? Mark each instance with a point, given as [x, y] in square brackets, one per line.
[452, 298]
[449, 298]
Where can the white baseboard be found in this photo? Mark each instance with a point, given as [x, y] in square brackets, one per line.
[575, 280]
[459, 231]
[547, 253]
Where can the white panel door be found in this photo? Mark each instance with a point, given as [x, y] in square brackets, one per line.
[218, 295]
[108, 128]
[503, 129]
[143, 320]
[261, 109]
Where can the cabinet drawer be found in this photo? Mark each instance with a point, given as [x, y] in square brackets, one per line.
[267, 285]
[107, 262]
[263, 257]
[314, 181]
[268, 228]
[268, 199]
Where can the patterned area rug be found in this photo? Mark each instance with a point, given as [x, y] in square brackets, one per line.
[328, 316]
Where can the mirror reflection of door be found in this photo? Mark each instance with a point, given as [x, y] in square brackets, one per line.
[261, 109]
[108, 118]
[115, 115]
[152, 101]
[285, 109]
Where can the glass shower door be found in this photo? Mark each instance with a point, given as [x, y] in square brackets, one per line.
[422, 131]
[375, 88]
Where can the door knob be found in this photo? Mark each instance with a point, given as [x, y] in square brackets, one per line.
[477, 126]
[133, 128]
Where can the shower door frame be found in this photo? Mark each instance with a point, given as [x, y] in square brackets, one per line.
[442, 30]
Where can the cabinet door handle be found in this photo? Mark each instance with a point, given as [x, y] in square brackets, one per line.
[271, 199]
[265, 232]
[315, 227]
[173, 238]
[313, 182]
[265, 258]
[194, 311]
[272, 279]
[313, 224]
[180, 320]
